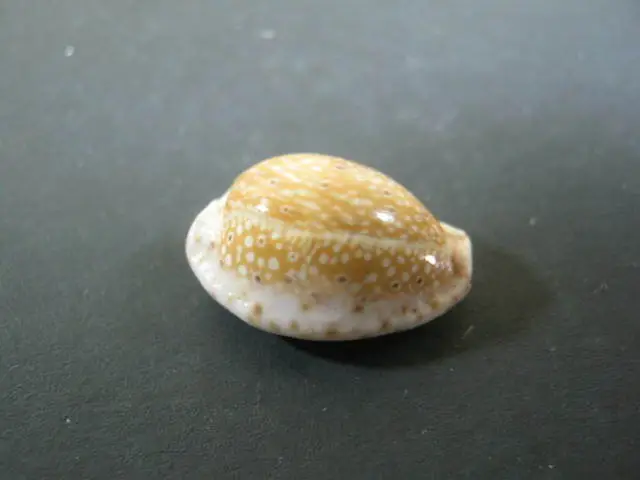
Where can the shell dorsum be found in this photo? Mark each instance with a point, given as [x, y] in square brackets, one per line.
[319, 247]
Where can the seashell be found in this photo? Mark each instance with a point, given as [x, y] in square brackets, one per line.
[319, 247]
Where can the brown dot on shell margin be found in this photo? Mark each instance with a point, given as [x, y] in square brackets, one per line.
[257, 310]
[331, 332]
[273, 326]
[385, 326]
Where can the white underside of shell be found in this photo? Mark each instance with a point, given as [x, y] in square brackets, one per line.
[283, 313]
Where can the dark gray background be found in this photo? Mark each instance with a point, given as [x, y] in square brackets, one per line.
[518, 121]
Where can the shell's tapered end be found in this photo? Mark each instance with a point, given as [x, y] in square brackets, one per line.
[462, 259]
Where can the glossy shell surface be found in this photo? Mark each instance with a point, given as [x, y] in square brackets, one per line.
[320, 247]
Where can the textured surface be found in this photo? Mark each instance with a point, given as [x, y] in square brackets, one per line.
[333, 219]
[319, 193]
[319, 230]
[119, 120]
[314, 309]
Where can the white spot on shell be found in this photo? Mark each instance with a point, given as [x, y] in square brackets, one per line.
[274, 264]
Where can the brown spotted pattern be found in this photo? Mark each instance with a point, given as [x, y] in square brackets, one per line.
[326, 224]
